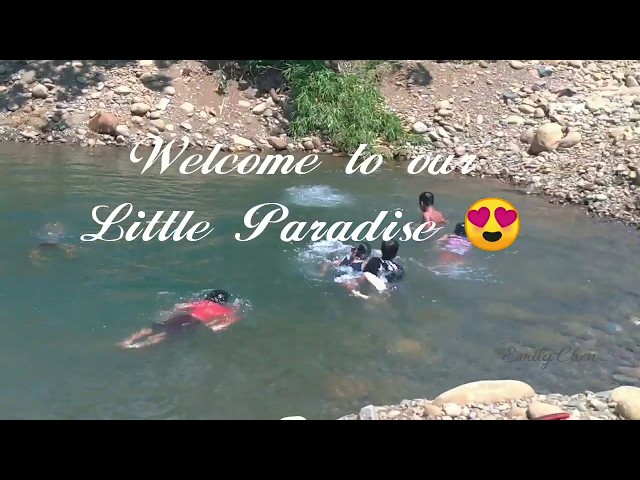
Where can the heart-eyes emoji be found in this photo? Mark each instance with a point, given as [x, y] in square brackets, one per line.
[492, 224]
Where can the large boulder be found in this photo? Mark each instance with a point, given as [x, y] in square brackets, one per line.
[104, 123]
[486, 391]
[546, 138]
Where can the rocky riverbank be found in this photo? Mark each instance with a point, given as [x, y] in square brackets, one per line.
[508, 400]
[565, 129]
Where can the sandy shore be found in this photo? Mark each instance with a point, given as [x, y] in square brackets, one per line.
[565, 129]
[507, 400]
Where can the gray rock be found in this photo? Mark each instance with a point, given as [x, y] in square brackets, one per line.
[259, 109]
[452, 409]
[163, 103]
[419, 127]
[368, 413]
[597, 404]
[527, 109]
[122, 130]
[244, 142]
[77, 119]
[140, 109]
[123, 90]
[158, 123]
[187, 107]
[40, 91]
[278, 143]
[28, 77]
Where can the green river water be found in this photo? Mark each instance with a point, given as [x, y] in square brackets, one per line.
[302, 347]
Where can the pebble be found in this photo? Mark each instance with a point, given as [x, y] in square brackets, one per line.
[452, 409]
[517, 64]
[420, 127]
[140, 109]
[122, 130]
[123, 90]
[187, 107]
[368, 413]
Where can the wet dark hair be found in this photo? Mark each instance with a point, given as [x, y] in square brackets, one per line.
[363, 250]
[460, 230]
[218, 296]
[426, 198]
[389, 249]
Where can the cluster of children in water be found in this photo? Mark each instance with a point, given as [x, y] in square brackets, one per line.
[379, 271]
[214, 311]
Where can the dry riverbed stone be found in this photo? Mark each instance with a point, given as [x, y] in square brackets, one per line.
[486, 391]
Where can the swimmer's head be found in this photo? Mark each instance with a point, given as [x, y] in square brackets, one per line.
[218, 296]
[50, 234]
[363, 250]
[459, 230]
[389, 249]
[426, 200]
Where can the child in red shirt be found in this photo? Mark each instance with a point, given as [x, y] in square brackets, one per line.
[211, 312]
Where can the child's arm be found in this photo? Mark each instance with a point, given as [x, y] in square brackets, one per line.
[183, 306]
[353, 288]
[224, 321]
[356, 293]
[325, 266]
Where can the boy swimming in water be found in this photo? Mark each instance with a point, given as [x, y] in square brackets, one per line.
[355, 259]
[379, 270]
[430, 214]
[455, 245]
[50, 239]
[211, 312]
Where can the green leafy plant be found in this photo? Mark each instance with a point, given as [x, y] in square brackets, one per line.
[347, 108]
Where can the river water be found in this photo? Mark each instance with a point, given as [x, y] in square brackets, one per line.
[302, 347]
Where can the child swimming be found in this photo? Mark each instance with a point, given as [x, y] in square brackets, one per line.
[430, 214]
[355, 259]
[211, 312]
[379, 270]
[50, 238]
[455, 245]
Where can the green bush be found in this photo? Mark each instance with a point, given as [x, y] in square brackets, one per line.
[346, 108]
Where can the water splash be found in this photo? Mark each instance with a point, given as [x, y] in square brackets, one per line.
[317, 196]
[472, 273]
[51, 233]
